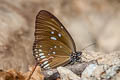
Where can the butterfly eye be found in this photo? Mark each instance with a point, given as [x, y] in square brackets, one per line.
[53, 44]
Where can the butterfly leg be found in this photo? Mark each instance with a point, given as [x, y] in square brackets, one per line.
[29, 77]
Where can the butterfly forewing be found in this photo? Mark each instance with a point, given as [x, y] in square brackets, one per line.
[51, 40]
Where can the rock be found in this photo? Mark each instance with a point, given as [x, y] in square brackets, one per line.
[66, 74]
[101, 72]
[87, 73]
[111, 72]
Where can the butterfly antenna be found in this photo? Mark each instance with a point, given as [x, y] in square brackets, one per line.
[31, 73]
[87, 47]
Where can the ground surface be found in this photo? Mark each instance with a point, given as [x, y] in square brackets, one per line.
[87, 21]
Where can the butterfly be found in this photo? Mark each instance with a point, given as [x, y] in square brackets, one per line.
[53, 44]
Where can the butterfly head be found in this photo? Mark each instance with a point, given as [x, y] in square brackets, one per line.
[75, 57]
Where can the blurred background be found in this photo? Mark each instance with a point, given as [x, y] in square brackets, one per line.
[88, 21]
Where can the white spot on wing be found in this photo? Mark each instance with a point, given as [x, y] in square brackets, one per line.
[38, 59]
[40, 50]
[40, 46]
[52, 32]
[42, 57]
[55, 46]
[36, 51]
[45, 62]
[51, 48]
[60, 46]
[36, 55]
[61, 27]
[53, 38]
[46, 66]
[41, 54]
[59, 35]
[54, 52]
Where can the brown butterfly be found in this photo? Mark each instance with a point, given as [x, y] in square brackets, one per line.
[53, 44]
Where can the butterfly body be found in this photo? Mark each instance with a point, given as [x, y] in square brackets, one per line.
[53, 43]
